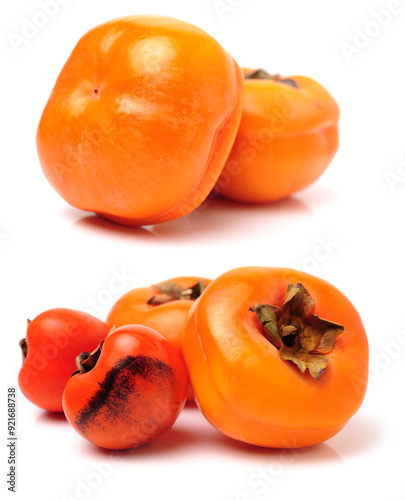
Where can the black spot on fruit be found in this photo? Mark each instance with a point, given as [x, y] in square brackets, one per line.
[120, 383]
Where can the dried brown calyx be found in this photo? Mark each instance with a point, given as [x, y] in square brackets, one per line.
[301, 337]
[261, 74]
[169, 291]
[86, 361]
[24, 349]
[24, 346]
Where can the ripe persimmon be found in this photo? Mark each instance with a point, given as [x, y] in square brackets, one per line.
[163, 307]
[53, 340]
[287, 137]
[141, 120]
[128, 391]
[276, 357]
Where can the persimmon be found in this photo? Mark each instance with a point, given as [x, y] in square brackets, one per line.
[53, 340]
[141, 120]
[128, 391]
[287, 137]
[163, 307]
[276, 357]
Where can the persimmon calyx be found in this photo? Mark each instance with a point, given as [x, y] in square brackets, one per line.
[301, 337]
[24, 349]
[170, 291]
[24, 346]
[262, 74]
[86, 361]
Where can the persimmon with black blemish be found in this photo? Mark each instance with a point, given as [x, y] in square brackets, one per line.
[128, 391]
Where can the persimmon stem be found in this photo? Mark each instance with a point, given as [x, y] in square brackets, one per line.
[24, 349]
[86, 361]
[24, 346]
[170, 291]
[300, 337]
[262, 74]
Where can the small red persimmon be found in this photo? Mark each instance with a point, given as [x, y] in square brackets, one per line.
[54, 338]
[128, 391]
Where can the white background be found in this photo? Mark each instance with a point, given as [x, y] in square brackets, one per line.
[53, 255]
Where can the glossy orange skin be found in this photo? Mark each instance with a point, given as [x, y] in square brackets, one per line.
[242, 385]
[168, 319]
[286, 139]
[54, 339]
[134, 393]
[141, 120]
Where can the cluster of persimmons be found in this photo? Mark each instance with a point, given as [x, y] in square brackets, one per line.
[275, 357]
[148, 116]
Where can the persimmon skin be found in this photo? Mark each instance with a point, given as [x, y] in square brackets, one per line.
[241, 384]
[133, 394]
[167, 319]
[286, 139]
[140, 123]
[54, 339]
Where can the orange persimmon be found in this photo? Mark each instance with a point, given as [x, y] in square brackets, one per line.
[141, 120]
[276, 357]
[287, 137]
[163, 307]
